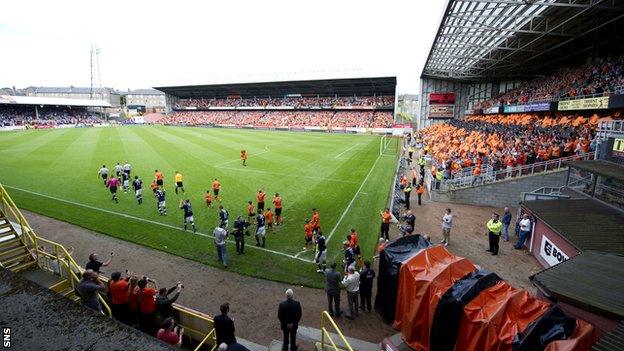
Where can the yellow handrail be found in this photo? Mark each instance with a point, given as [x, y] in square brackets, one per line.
[206, 339]
[30, 237]
[325, 318]
[64, 259]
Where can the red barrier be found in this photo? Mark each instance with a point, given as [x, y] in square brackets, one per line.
[496, 316]
[582, 339]
[423, 279]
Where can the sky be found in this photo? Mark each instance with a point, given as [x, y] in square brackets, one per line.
[157, 43]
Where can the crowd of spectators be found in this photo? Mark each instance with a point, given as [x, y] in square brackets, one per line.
[296, 102]
[45, 116]
[505, 142]
[603, 76]
[273, 119]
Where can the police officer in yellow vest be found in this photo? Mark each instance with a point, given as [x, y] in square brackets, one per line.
[439, 178]
[410, 151]
[407, 191]
[494, 226]
[422, 163]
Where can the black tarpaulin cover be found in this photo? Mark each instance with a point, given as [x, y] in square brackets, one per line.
[552, 325]
[390, 260]
[449, 310]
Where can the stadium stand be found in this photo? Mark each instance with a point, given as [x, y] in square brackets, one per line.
[18, 112]
[327, 104]
[276, 119]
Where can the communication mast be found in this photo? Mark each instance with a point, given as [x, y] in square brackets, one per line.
[94, 62]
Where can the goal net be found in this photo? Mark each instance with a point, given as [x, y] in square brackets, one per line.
[388, 145]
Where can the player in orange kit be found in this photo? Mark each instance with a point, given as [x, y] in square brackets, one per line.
[277, 202]
[208, 199]
[244, 157]
[216, 186]
[308, 234]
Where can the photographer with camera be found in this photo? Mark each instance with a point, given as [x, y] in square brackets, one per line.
[88, 288]
[95, 265]
[170, 332]
[240, 230]
[163, 302]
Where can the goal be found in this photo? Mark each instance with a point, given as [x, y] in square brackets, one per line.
[388, 145]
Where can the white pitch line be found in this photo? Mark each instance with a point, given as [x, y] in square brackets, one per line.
[147, 221]
[342, 153]
[286, 174]
[344, 213]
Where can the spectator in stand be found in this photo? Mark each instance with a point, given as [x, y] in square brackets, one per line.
[133, 302]
[164, 303]
[367, 275]
[506, 220]
[224, 326]
[332, 289]
[147, 304]
[170, 332]
[386, 217]
[95, 265]
[352, 284]
[88, 288]
[289, 315]
[119, 291]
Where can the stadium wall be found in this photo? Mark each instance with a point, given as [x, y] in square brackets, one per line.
[503, 193]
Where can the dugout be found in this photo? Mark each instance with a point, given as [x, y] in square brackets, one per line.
[588, 286]
[390, 261]
[564, 228]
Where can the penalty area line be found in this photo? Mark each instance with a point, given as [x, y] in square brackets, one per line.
[149, 221]
[344, 213]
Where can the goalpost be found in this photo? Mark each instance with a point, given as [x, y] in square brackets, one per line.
[388, 145]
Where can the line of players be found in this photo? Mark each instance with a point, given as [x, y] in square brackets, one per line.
[314, 238]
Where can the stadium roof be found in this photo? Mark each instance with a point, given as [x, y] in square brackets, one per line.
[591, 280]
[593, 225]
[324, 87]
[480, 40]
[33, 100]
[71, 90]
[144, 92]
[600, 167]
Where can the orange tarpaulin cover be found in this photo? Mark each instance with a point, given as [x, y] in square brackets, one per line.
[423, 279]
[495, 317]
[582, 339]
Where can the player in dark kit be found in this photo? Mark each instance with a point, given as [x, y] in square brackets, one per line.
[260, 229]
[112, 185]
[188, 214]
[160, 197]
[137, 184]
[321, 252]
[125, 178]
[240, 230]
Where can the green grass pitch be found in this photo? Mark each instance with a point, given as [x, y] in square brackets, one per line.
[54, 172]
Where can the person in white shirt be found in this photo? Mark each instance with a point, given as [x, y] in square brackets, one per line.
[525, 231]
[447, 223]
[220, 235]
[352, 284]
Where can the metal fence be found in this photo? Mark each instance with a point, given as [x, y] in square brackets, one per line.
[491, 176]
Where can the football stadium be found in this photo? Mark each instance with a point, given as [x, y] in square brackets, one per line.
[331, 213]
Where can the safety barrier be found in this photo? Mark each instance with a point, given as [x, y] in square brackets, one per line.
[491, 176]
[326, 320]
[198, 326]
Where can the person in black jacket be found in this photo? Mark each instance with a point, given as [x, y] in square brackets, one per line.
[163, 302]
[289, 314]
[367, 275]
[240, 226]
[224, 326]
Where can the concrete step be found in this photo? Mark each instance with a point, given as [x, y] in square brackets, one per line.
[41, 277]
[252, 346]
[314, 335]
